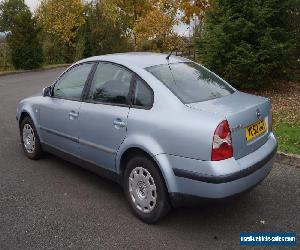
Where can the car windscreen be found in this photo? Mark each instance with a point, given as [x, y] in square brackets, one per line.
[191, 82]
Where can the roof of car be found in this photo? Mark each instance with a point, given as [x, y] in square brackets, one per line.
[137, 59]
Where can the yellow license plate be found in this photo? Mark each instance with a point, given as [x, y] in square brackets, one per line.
[255, 130]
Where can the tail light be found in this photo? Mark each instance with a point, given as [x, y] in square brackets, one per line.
[222, 143]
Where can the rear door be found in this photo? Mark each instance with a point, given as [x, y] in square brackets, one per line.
[59, 114]
[103, 115]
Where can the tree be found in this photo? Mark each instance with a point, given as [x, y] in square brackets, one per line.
[61, 21]
[193, 8]
[250, 43]
[62, 18]
[26, 50]
[154, 30]
[8, 9]
[131, 11]
[105, 29]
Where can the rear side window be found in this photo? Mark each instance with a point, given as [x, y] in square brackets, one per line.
[111, 84]
[71, 84]
[143, 95]
[191, 82]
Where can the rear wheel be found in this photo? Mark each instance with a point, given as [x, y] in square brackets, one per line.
[145, 189]
[30, 139]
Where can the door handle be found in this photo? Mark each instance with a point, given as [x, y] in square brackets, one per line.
[118, 123]
[73, 114]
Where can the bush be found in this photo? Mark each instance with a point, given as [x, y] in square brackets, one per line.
[251, 43]
[5, 60]
[54, 52]
[26, 50]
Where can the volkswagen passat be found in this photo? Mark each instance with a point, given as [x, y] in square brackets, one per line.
[163, 127]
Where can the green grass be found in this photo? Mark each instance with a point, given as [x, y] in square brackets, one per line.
[288, 137]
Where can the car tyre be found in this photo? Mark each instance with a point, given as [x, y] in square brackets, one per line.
[30, 139]
[145, 189]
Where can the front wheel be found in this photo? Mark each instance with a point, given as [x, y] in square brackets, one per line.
[145, 189]
[30, 139]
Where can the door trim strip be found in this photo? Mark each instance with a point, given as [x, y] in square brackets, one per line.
[96, 146]
[80, 141]
[57, 133]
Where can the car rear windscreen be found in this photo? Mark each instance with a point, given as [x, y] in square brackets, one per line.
[191, 82]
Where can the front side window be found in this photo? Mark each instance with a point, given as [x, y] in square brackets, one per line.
[111, 84]
[71, 84]
[143, 95]
[191, 82]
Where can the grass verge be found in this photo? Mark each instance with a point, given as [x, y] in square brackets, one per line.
[288, 137]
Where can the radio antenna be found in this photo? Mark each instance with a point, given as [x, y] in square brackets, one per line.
[168, 56]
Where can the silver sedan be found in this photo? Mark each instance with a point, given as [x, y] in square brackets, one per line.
[165, 128]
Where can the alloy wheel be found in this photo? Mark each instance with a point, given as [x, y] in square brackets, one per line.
[28, 138]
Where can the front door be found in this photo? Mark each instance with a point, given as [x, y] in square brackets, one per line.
[59, 114]
[103, 115]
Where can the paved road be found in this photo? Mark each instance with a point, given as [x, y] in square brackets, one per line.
[53, 204]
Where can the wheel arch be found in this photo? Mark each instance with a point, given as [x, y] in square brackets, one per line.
[129, 152]
[28, 112]
[22, 116]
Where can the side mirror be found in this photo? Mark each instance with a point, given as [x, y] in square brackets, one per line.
[47, 91]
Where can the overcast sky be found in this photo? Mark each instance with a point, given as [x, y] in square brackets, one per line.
[32, 4]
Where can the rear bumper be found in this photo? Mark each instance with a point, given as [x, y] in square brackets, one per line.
[228, 177]
[219, 179]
